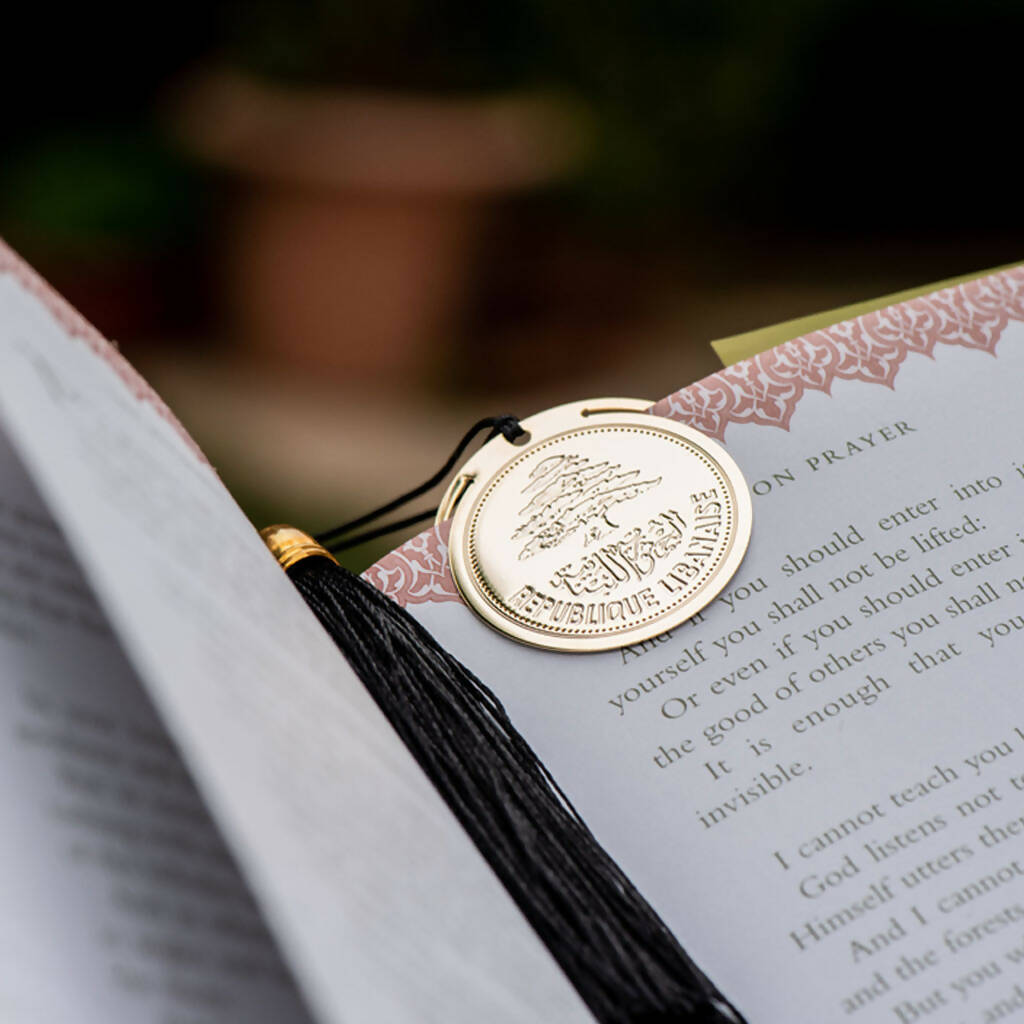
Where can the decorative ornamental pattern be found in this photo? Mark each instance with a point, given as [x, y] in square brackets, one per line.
[76, 326]
[418, 571]
[766, 390]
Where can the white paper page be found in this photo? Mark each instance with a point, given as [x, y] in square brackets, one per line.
[119, 900]
[821, 784]
[380, 903]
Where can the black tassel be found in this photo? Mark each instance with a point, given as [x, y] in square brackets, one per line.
[623, 960]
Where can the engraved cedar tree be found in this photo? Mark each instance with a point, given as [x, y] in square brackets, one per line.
[571, 493]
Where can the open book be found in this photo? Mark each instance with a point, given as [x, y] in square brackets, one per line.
[818, 782]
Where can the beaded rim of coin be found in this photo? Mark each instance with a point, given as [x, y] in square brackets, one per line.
[548, 531]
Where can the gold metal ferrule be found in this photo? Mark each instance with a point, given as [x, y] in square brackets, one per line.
[289, 545]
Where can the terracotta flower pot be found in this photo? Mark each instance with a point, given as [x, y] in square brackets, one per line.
[358, 215]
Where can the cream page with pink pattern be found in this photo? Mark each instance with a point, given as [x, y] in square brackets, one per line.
[819, 781]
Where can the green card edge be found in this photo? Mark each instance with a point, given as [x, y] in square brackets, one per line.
[737, 347]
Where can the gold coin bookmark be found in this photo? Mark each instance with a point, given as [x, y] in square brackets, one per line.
[581, 528]
[601, 527]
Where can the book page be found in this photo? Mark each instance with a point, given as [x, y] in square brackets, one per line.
[379, 902]
[819, 781]
[120, 900]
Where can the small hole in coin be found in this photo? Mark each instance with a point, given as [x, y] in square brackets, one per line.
[603, 412]
[523, 438]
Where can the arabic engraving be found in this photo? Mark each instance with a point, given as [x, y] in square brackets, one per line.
[635, 556]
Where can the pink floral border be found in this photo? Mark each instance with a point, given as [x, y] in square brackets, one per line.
[76, 326]
[767, 388]
[418, 571]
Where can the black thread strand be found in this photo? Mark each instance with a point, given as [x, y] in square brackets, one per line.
[381, 531]
[507, 426]
[622, 958]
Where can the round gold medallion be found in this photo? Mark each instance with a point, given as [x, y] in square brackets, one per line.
[604, 526]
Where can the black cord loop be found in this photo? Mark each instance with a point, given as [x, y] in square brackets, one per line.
[334, 539]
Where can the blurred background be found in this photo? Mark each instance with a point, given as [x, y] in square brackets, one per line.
[332, 234]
